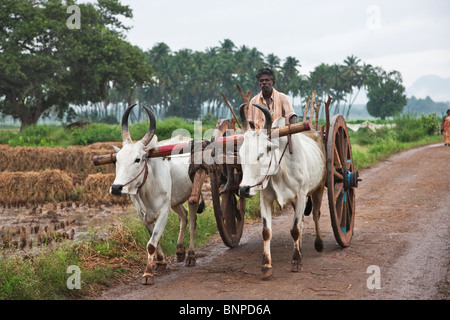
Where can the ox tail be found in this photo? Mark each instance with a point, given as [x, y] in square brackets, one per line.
[201, 207]
[308, 207]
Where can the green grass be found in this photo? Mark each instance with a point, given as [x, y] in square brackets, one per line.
[206, 228]
[44, 276]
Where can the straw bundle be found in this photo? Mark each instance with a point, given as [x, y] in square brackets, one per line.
[96, 190]
[21, 188]
[74, 159]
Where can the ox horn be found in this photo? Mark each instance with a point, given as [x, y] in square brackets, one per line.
[125, 131]
[267, 115]
[151, 129]
[243, 117]
[150, 132]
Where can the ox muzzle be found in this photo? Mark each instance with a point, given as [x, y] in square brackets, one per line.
[116, 189]
[244, 191]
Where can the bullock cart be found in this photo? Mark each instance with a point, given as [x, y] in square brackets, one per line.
[225, 174]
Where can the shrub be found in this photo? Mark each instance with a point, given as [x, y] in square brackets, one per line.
[411, 128]
[96, 132]
[38, 136]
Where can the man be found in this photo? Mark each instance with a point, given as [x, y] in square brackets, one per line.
[278, 105]
[276, 102]
[446, 128]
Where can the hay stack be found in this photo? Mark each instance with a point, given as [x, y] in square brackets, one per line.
[96, 191]
[74, 159]
[21, 188]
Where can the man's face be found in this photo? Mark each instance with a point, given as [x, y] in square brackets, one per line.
[265, 83]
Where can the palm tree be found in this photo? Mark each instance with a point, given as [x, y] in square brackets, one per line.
[290, 76]
[353, 75]
[273, 62]
[339, 86]
[226, 46]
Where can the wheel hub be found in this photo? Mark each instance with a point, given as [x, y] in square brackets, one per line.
[351, 179]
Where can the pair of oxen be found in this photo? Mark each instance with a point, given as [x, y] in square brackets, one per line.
[157, 185]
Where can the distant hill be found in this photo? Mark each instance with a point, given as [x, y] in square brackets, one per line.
[435, 87]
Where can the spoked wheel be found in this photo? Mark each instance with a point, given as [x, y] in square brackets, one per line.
[342, 181]
[229, 210]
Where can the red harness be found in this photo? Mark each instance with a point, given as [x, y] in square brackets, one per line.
[143, 181]
[267, 174]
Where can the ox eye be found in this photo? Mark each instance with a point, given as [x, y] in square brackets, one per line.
[137, 160]
[260, 155]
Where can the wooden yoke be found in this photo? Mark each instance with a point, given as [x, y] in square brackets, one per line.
[104, 159]
[164, 151]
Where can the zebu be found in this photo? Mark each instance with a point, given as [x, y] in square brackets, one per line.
[285, 177]
[155, 185]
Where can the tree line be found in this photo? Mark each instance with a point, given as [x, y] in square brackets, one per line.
[47, 68]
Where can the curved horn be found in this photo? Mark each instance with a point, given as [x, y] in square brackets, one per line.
[243, 117]
[268, 124]
[151, 129]
[125, 131]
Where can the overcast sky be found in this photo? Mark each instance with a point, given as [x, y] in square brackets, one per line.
[412, 37]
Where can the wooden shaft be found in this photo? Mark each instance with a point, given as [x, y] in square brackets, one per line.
[168, 150]
[313, 103]
[104, 159]
[199, 178]
[290, 129]
[327, 117]
[306, 110]
[241, 92]
[317, 116]
[231, 109]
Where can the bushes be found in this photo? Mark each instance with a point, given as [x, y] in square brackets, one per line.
[369, 147]
[38, 136]
[96, 132]
[51, 136]
[410, 128]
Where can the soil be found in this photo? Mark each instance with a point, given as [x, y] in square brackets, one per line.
[401, 235]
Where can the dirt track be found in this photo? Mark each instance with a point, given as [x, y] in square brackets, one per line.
[402, 226]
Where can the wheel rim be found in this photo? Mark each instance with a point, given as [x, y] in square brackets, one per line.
[229, 211]
[341, 182]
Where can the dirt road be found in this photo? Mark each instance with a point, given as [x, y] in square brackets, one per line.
[402, 228]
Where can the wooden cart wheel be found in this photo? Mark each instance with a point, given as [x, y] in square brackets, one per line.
[342, 181]
[229, 210]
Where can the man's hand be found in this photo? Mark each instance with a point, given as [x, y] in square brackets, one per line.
[293, 119]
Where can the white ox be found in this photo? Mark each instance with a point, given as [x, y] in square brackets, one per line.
[285, 177]
[155, 185]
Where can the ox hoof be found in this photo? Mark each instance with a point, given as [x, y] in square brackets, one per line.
[190, 262]
[161, 266]
[147, 279]
[181, 254]
[267, 273]
[318, 244]
[297, 266]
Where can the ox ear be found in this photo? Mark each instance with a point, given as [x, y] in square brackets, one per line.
[252, 125]
[116, 149]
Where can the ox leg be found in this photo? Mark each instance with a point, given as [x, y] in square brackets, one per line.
[266, 216]
[317, 201]
[152, 246]
[191, 258]
[182, 213]
[161, 262]
[296, 233]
